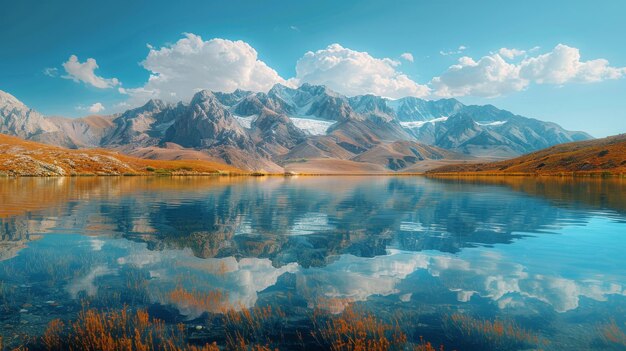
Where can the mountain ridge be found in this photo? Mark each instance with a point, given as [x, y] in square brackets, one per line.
[605, 155]
[267, 131]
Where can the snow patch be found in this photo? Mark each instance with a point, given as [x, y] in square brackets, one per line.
[394, 104]
[417, 124]
[491, 124]
[245, 122]
[312, 126]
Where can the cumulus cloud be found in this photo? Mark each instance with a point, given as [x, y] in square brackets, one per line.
[488, 77]
[180, 69]
[493, 75]
[563, 65]
[191, 64]
[96, 108]
[85, 72]
[353, 72]
[407, 56]
[511, 53]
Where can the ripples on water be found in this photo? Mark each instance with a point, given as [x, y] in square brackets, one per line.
[446, 257]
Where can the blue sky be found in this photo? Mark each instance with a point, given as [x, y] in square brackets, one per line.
[540, 79]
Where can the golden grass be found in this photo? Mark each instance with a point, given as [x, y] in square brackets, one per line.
[605, 157]
[22, 158]
[498, 334]
[249, 329]
[118, 330]
[212, 301]
[355, 330]
[426, 346]
[52, 337]
[253, 328]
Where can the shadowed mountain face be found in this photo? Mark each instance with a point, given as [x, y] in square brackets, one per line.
[303, 128]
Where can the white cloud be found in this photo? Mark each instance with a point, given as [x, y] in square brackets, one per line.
[491, 275]
[407, 56]
[50, 71]
[492, 75]
[96, 108]
[511, 53]
[191, 64]
[459, 50]
[84, 72]
[563, 65]
[354, 73]
[180, 69]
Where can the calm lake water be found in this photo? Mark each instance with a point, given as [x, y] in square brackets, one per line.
[449, 259]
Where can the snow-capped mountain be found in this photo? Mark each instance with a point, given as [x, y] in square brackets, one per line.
[405, 110]
[491, 132]
[17, 119]
[293, 127]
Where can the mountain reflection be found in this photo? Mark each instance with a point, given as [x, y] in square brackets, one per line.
[187, 249]
[303, 220]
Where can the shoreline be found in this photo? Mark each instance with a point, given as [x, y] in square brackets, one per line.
[586, 174]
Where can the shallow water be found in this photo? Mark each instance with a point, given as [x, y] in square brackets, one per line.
[545, 256]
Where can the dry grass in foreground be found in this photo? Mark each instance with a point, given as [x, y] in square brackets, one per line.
[358, 330]
[19, 157]
[249, 329]
[497, 334]
[605, 156]
[119, 330]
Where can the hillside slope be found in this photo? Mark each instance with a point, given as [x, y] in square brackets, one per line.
[27, 158]
[591, 156]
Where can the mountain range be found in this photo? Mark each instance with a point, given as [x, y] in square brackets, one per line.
[306, 129]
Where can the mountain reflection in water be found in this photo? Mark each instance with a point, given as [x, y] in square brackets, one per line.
[545, 252]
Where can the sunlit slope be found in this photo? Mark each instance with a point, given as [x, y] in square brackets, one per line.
[607, 155]
[19, 157]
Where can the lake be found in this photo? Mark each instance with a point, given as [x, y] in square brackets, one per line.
[316, 262]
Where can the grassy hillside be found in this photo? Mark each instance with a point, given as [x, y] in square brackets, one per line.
[600, 156]
[19, 157]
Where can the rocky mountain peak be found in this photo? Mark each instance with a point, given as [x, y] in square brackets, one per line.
[7, 99]
[318, 90]
[154, 104]
[20, 120]
[202, 96]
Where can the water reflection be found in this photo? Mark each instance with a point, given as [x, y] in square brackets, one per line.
[543, 250]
